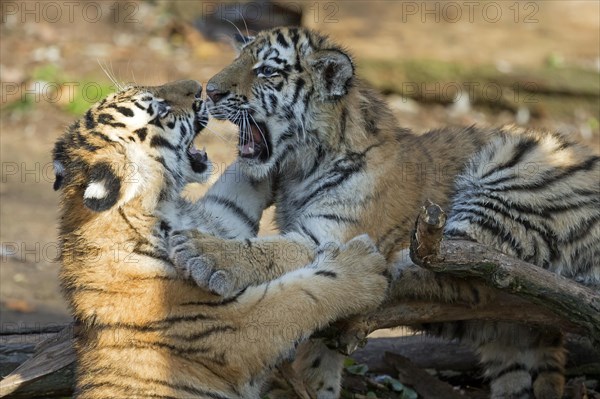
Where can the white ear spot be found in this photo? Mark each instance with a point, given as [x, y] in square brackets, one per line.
[95, 189]
[59, 169]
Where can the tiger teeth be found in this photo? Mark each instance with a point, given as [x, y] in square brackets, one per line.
[247, 149]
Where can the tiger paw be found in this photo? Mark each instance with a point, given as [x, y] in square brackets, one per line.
[189, 258]
[362, 270]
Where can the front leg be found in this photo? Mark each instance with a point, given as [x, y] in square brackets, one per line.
[225, 266]
[342, 280]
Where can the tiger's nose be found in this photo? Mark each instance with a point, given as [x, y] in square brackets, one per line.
[213, 92]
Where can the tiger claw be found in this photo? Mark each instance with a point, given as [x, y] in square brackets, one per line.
[221, 283]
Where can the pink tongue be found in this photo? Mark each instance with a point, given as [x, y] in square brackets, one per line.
[248, 148]
[256, 133]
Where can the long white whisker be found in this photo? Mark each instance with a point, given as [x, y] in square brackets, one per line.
[133, 76]
[217, 134]
[236, 28]
[105, 70]
[244, 21]
[261, 132]
[112, 70]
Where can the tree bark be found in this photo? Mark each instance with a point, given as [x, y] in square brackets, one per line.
[574, 303]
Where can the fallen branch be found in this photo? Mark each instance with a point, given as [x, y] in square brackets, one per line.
[42, 359]
[573, 302]
[434, 353]
[508, 289]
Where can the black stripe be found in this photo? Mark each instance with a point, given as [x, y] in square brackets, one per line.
[307, 97]
[295, 36]
[311, 296]
[224, 302]
[125, 111]
[491, 225]
[264, 294]
[544, 211]
[140, 106]
[281, 40]
[159, 141]
[548, 237]
[157, 325]
[288, 134]
[156, 122]
[326, 273]
[82, 141]
[232, 206]
[142, 240]
[89, 120]
[321, 153]
[177, 350]
[160, 160]
[203, 334]
[298, 64]
[335, 218]
[108, 119]
[299, 86]
[309, 234]
[101, 136]
[522, 148]
[141, 133]
[548, 179]
[273, 99]
[341, 177]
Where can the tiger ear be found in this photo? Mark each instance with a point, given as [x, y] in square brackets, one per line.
[59, 175]
[58, 155]
[102, 189]
[335, 72]
[240, 41]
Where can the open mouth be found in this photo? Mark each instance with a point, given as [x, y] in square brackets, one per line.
[254, 141]
[198, 158]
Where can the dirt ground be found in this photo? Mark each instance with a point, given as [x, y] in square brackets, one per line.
[49, 64]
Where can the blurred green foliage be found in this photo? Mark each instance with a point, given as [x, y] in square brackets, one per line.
[75, 96]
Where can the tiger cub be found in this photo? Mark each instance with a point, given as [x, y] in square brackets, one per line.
[343, 167]
[148, 332]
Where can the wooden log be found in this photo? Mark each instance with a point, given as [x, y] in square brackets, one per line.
[572, 302]
[39, 362]
[424, 351]
[428, 352]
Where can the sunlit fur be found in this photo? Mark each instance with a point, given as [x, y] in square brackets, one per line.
[147, 329]
[343, 167]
